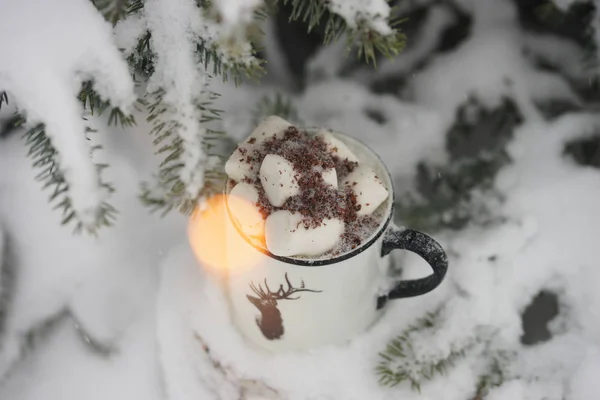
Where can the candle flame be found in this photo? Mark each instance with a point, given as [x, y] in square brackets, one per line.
[216, 243]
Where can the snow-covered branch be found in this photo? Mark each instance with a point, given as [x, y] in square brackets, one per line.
[173, 48]
[73, 43]
[373, 13]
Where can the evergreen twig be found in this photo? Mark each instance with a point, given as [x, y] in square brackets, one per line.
[450, 196]
[135, 5]
[3, 99]
[279, 105]
[495, 375]
[225, 57]
[398, 362]
[141, 59]
[45, 159]
[113, 10]
[225, 67]
[369, 42]
[169, 191]
[94, 104]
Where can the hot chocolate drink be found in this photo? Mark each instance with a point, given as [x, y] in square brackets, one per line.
[311, 196]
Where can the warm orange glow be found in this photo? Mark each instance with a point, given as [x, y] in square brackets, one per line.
[215, 241]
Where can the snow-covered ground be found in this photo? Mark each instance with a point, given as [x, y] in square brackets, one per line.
[126, 315]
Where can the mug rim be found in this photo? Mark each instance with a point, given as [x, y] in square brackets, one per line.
[323, 262]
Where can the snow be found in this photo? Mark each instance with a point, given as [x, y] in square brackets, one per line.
[90, 276]
[565, 4]
[65, 368]
[128, 31]
[138, 290]
[583, 385]
[178, 74]
[419, 46]
[497, 68]
[372, 12]
[236, 13]
[72, 43]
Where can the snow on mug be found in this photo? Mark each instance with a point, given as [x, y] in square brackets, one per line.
[293, 284]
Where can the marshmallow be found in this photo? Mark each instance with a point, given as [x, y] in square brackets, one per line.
[242, 201]
[269, 127]
[286, 235]
[336, 146]
[236, 167]
[369, 190]
[278, 178]
[330, 177]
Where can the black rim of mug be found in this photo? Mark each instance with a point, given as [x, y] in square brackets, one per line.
[319, 263]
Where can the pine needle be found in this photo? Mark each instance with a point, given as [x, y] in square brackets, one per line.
[168, 192]
[3, 99]
[135, 5]
[368, 41]
[113, 10]
[45, 157]
[391, 370]
[231, 62]
[277, 104]
[96, 106]
[228, 68]
[141, 59]
[495, 374]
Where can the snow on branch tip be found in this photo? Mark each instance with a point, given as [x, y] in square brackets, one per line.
[74, 43]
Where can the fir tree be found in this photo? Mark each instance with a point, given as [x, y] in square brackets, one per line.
[178, 105]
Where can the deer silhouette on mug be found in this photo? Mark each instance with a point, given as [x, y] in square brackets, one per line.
[270, 321]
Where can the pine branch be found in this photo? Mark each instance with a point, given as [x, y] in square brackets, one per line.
[3, 99]
[371, 42]
[399, 363]
[275, 105]
[94, 104]
[45, 158]
[168, 191]
[228, 63]
[495, 374]
[368, 41]
[267, 8]
[458, 193]
[141, 59]
[135, 5]
[549, 12]
[114, 10]
[228, 67]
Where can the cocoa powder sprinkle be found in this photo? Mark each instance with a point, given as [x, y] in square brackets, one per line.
[316, 200]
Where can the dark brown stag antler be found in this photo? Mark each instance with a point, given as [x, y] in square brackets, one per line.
[285, 294]
[270, 321]
[281, 293]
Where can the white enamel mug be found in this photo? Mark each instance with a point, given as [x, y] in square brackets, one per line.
[295, 304]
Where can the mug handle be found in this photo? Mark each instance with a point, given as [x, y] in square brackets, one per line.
[425, 247]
